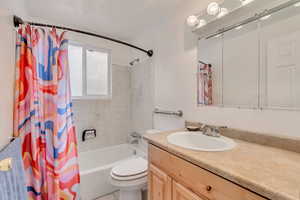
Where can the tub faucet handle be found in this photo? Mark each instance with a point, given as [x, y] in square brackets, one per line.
[136, 135]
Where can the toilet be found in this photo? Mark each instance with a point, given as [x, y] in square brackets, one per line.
[130, 177]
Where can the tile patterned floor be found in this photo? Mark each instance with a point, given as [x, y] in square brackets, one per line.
[115, 196]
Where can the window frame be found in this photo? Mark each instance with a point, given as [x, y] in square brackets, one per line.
[85, 96]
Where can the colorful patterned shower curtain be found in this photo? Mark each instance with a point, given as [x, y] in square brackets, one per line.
[43, 115]
[204, 77]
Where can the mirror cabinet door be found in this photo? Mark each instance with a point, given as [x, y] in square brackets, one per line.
[241, 67]
[210, 51]
[280, 60]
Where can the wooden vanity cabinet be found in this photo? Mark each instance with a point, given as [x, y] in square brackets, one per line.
[173, 178]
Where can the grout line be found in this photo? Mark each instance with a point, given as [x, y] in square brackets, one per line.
[111, 193]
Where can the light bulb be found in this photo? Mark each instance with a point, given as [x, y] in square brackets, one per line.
[245, 2]
[297, 4]
[265, 17]
[213, 8]
[202, 22]
[192, 20]
[223, 12]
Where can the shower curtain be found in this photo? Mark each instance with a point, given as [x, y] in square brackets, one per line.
[43, 115]
[204, 79]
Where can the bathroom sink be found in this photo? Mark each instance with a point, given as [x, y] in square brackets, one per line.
[200, 142]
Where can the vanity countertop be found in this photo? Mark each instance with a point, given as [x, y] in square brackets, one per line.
[271, 172]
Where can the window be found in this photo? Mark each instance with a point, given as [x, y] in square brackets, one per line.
[90, 72]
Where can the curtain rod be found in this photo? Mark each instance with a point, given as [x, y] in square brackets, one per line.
[18, 21]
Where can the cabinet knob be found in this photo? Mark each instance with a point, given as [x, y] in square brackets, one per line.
[208, 188]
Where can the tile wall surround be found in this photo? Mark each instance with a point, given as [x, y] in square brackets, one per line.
[142, 101]
[111, 118]
[130, 108]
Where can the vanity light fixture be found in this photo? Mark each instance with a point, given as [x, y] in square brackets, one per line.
[192, 21]
[265, 17]
[297, 4]
[223, 12]
[246, 2]
[213, 8]
[202, 22]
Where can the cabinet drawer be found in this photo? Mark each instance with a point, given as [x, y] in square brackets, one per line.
[199, 181]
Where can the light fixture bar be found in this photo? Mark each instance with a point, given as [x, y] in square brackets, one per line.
[254, 18]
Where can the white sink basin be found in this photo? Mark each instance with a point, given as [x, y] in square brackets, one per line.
[199, 142]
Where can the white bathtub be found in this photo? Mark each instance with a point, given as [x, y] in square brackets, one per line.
[95, 169]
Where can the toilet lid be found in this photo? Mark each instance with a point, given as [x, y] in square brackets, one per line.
[131, 167]
[129, 178]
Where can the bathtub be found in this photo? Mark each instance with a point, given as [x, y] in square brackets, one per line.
[95, 168]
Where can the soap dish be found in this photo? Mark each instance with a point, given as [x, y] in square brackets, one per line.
[193, 128]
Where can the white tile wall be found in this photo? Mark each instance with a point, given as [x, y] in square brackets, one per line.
[142, 81]
[111, 118]
[130, 108]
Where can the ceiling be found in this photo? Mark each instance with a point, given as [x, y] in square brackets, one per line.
[122, 19]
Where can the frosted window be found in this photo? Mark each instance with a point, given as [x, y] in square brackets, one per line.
[97, 72]
[90, 72]
[75, 65]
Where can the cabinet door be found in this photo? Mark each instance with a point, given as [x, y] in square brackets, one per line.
[159, 184]
[182, 193]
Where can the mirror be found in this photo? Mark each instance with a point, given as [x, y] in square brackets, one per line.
[212, 52]
[257, 65]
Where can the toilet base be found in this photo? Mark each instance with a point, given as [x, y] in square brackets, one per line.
[130, 194]
[130, 190]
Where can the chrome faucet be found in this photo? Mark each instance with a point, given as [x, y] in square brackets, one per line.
[134, 138]
[213, 131]
[136, 135]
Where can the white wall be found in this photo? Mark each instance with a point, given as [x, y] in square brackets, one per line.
[175, 81]
[7, 63]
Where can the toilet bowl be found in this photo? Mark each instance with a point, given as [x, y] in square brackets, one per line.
[130, 177]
